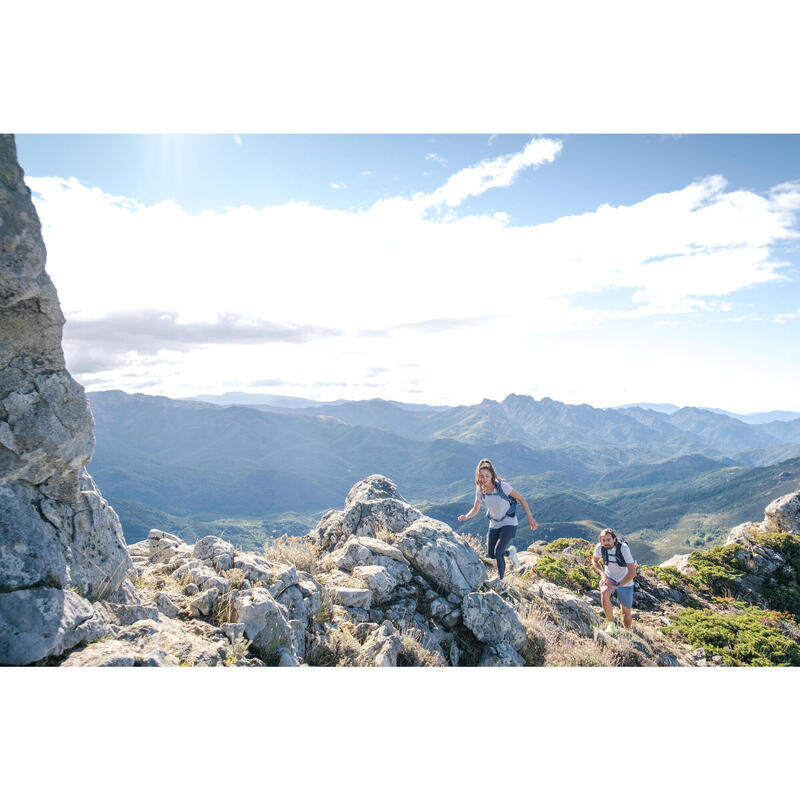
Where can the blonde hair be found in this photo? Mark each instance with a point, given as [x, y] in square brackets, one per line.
[484, 463]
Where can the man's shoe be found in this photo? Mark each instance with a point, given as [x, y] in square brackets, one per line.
[512, 554]
[611, 630]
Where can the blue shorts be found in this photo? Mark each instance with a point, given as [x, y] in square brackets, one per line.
[625, 595]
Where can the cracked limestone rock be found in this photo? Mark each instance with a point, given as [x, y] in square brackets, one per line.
[56, 530]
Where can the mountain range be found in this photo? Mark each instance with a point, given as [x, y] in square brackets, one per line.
[254, 470]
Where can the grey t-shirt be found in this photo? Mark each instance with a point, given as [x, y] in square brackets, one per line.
[496, 506]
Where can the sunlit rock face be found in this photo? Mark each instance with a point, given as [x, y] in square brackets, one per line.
[56, 530]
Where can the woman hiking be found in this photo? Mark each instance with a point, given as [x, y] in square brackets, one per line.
[501, 503]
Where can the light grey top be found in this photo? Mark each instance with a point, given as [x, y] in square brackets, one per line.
[496, 506]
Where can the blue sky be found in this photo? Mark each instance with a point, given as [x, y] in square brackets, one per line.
[205, 172]
[341, 284]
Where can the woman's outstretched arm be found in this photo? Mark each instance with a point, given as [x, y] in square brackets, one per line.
[472, 513]
[531, 521]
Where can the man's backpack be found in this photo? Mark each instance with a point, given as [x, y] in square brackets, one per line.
[617, 556]
[512, 503]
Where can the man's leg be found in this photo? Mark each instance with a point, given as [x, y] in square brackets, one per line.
[625, 597]
[605, 599]
[627, 618]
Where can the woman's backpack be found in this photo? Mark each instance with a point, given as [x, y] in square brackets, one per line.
[512, 503]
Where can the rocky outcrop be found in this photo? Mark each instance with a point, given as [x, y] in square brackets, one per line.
[373, 505]
[782, 515]
[388, 564]
[681, 563]
[61, 544]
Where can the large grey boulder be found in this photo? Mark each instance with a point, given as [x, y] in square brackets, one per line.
[157, 643]
[492, 620]
[56, 530]
[681, 563]
[375, 504]
[372, 506]
[265, 621]
[383, 646]
[37, 623]
[443, 557]
[215, 550]
[566, 609]
[783, 515]
[255, 568]
[500, 655]
[378, 581]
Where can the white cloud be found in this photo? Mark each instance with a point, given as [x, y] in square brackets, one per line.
[491, 139]
[783, 318]
[365, 172]
[437, 158]
[237, 139]
[338, 186]
[502, 171]
[441, 289]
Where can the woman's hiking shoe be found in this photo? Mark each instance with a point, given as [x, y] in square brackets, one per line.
[512, 554]
[611, 630]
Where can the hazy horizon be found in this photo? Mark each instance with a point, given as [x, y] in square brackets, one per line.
[235, 392]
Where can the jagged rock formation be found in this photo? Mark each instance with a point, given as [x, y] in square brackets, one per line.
[374, 600]
[384, 562]
[61, 545]
[370, 601]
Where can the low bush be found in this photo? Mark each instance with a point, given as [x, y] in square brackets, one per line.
[717, 569]
[753, 638]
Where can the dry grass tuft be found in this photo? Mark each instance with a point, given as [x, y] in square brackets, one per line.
[292, 550]
[413, 654]
[235, 576]
[383, 533]
[475, 542]
[224, 610]
[338, 647]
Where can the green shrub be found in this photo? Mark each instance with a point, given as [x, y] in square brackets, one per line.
[576, 574]
[783, 597]
[752, 638]
[669, 575]
[551, 569]
[580, 545]
[584, 578]
[717, 569]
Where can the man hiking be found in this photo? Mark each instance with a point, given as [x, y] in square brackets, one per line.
[613, 560]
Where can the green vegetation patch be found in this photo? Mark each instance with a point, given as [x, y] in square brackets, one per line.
[573, 569]
[669, 575]
[575, 545]
[717, 569]
[753, 638]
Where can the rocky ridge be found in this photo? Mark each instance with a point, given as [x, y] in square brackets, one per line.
[61, 544]
[379, 584]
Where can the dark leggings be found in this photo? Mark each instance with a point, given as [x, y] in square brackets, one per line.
[497, 543]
